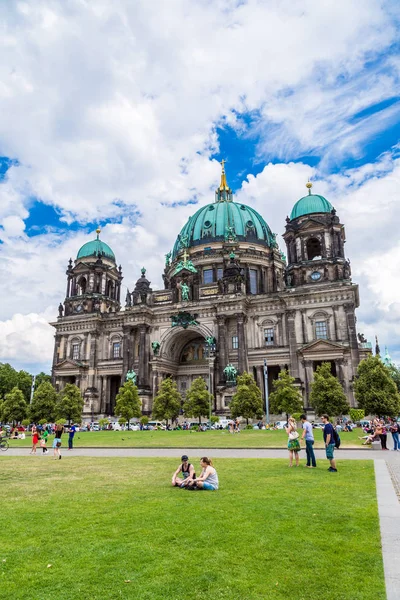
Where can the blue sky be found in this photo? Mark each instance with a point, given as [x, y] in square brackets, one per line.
[124, 123]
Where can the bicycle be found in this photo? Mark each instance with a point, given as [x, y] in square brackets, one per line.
[3, 445]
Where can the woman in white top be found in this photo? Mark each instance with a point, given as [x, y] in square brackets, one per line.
[208, 479]
[293, 441]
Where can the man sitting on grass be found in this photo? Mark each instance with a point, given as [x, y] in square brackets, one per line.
[187, 471]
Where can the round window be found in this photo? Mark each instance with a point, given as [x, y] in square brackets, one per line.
[211, 207]
[250, 224]
[207, 224]
[242, 207]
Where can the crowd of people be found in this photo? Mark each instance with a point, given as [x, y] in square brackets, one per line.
[41, 433]
[331, 440]
[377, 431]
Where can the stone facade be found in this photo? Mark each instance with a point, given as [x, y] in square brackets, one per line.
[237, 291]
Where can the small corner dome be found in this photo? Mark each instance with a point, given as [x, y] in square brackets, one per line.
[96, 248]
[310, 204]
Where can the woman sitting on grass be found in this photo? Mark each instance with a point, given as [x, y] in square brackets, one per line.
[208, 479]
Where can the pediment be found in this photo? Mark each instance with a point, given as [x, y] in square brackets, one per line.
[323, 346]
[311, 224]
[67, 364]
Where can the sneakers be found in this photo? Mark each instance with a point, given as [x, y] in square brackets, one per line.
[60, 457]
[332, 470]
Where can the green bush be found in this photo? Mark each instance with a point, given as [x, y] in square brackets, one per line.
[248, 426]
[144, 420]
[214, 419]
[25, 422]
[356, 414]
[296, 416]
[42, 422]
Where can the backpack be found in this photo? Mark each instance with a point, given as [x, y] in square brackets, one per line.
[336, 438]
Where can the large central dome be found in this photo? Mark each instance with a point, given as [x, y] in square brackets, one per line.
[224, 220]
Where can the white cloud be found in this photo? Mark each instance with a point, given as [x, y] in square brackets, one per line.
[111, 110]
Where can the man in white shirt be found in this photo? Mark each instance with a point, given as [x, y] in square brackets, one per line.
[308, 437]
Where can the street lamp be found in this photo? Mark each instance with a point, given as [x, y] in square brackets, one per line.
[211, 351]
[266, 391]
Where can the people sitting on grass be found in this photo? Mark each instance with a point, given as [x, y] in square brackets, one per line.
[208, 479]
[187, 471]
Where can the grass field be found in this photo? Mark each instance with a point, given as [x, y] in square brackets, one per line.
[191, 439]
[115, 528]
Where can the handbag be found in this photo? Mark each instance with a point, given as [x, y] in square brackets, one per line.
[293, 435]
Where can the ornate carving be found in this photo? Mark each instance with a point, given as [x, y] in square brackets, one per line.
[131, 376]
[60, 310]
[183, 319]
[185, 291]
[361, 338]
[230, 373]
[155, 347]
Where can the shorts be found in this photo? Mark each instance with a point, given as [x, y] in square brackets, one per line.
[329, 449]
[55, 443]
[209, 486]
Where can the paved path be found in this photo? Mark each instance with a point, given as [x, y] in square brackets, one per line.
[389, 521]
[392, 458]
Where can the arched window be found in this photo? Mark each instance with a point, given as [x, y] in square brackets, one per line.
[314, 249]
[110, 289]
[82, 285]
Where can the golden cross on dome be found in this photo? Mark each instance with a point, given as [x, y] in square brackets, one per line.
[185, 256]
[309, 186]
[223, 185]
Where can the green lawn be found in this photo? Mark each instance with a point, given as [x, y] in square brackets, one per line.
[191, 439]
[115, 528]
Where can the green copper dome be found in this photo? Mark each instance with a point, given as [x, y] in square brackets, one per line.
[313, 203]
[224, 220]
[96, 248]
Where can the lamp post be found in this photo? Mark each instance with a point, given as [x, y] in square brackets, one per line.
[266, 391]
[211, 350]
[32, 388]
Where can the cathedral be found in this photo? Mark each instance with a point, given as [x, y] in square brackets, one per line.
[231, 300]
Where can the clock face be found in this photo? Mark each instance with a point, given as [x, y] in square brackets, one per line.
[79, 308]
[315, 276]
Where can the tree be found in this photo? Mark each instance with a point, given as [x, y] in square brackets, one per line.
[356, 414]
[128, 404]
[167, 403]
[41, 378]
[24, 383]
[144, 420]
[285, 397]
[14, 408]
[395, 375]
[10, 378]
[103, 423]
[43, 403]
[327, 395]
[247, 401]
[375, 390]
[198, 398]
[70, 404]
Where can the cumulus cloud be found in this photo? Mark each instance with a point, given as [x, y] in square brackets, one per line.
[112, 110]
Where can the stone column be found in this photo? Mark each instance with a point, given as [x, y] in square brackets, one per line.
[107, 400]
[143, 362]
[270, 280]
[308, 369]
[222, 357]
[336, 324]
[126, 350]
[241, 341]
[101, 398]
[304, 326]
[68, 286]
[351, 326]
[291, 331]
[92, 358]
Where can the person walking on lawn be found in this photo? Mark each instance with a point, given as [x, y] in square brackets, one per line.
[329, 439]
[308, 437]
[71, 433]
